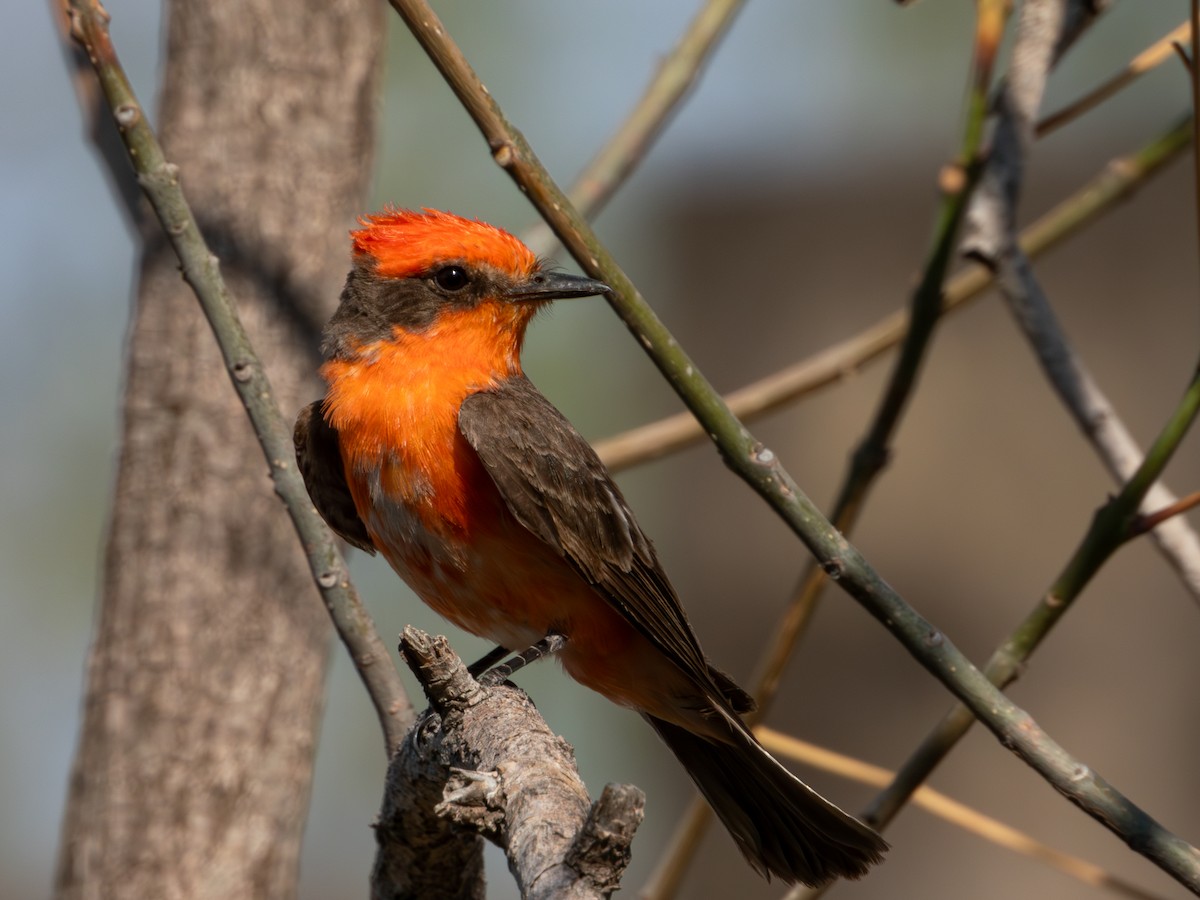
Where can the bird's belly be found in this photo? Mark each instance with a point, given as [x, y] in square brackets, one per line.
[508, 586]
[498, 581]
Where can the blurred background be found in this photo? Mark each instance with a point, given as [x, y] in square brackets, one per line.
[788, 206]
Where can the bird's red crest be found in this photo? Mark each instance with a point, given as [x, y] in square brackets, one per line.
[403, 243]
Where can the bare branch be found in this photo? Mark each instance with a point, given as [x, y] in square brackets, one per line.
[1194, 72]
[950, 810]
[1150, 58]
[1117, 182]
[507, 777]
[1155, 519]
[98, 120]
[993, 241]
[1041, 38]
[1176, 540]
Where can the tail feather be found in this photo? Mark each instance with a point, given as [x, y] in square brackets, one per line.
[782, 826]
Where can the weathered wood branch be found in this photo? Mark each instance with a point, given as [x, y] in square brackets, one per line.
[483, 763]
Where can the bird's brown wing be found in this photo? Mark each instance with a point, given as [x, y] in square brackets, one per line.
[320, 463]
[555, 485]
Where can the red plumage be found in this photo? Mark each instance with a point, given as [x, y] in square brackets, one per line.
[432, 447]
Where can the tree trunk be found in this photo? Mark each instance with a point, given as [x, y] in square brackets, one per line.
[206, 675]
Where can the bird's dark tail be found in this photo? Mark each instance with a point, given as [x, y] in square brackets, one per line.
[783, 826]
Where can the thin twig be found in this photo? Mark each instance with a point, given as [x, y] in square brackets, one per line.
[759, 466]
[1149, 59]
[1195, 85]
[676, 76]
[99, 122]
[872, 453]
[1117, 182]
[995, 244]
[1184, 55]
[950, 810]
[993, 241]
[159, 181]
[1093, 412]
[1150, 521]
[1113, 525]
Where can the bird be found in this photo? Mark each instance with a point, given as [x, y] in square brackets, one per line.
[433, 448]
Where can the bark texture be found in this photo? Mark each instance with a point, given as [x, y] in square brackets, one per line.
[482, 761]
[206, 674]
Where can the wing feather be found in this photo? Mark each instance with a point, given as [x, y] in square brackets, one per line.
[320, 462]
[555, 485]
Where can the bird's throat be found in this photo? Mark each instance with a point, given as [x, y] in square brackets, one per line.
[395, 403]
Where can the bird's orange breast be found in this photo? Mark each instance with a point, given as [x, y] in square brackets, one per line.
[395, 407]
[438, 518]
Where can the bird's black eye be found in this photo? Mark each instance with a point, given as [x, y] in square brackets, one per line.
[451, 278]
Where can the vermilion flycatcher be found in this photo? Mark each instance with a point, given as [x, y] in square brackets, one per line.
[432, 447]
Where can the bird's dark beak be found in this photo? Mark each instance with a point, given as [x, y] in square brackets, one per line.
[556, 286]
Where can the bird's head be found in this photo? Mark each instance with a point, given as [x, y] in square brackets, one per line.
[431, 272]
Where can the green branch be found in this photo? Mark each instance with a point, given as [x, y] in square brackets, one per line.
[1115, 523]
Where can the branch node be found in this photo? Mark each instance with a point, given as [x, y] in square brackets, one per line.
[492, 767]
[952, 178]
[474, 799]
[763, 455]
[601, 850]
[76, 25]
[127, 114]
[504, 154]
[443, 676]
[834, 568]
